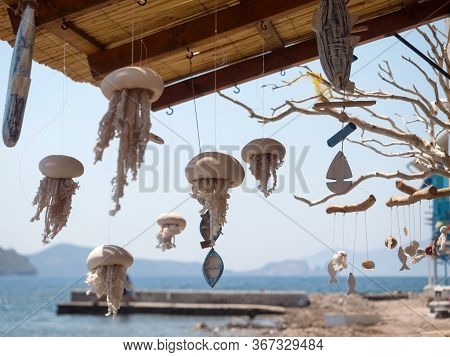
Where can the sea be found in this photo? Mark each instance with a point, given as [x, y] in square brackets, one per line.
[28, 304]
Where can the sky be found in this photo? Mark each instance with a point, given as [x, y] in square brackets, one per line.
[62, 118]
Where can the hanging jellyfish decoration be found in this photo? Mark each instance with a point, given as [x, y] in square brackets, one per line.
[265, 156]
[339, 261]
[171, 225]
[55, 193]
[130, 91]
[107, 276]
[19, 74]
[211, 175]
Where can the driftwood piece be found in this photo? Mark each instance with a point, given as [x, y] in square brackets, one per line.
[403, 187]
[425, 194]
[360, 207]
[344, 104]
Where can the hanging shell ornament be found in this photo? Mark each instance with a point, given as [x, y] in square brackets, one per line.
[213, 268]
[19, 75]
[390, 242]
[337, 263]
[55, 193]
[212, 174]
[335, 43]
[130, 91]
[419, 256]
[368, 264]
[107, 265]
[265, 157]
[171, 225]
[442, 240]
[411, 249]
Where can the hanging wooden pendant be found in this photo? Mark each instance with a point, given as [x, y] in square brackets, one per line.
[212, 268]
[339, 170]
[341, 135]
[19, 75]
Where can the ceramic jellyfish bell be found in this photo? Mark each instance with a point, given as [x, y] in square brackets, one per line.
[55, 192]
[265, 157]
[130, 91]
[212, 174]
[171, 224]
[107, 265]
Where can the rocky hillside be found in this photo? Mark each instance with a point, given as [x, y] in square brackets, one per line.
[12, 263]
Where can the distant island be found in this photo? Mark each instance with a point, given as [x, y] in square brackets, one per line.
[12, 263]
[70, 260]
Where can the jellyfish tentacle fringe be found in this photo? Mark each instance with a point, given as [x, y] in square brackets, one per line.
[214, 195]
[55, 196]
[263, 166]
[109, 281]
[166, 236]
[128, 118]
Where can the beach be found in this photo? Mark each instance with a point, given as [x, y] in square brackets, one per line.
[405, 317]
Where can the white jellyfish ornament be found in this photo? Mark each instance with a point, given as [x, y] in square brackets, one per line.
[55, 192]
[107, 265]
[131, 91]
[265, 157]
[171, 224]
[212, 174]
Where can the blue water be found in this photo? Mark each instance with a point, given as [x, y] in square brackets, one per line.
[28, 304]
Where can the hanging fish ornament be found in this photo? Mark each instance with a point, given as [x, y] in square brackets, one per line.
[19, 75]
[351, 281]
[335, 42]
[213, 268]
[337, 263]
[205, 229]
[332, 273]
[390, 242]
[403, 258]
[339, 170]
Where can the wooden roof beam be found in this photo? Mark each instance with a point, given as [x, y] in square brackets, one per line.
[247, 13]
[300, 53]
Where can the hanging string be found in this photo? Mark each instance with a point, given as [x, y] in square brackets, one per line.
[414, 221]
[399, 230]
[409, 224]
[405, 229]
[263, 83]
[334, 233]
[343, 232]
[420, 222]
[132, 35]
[367, 240]
[65, 89]
[142, 45]
[215, 74]
[354, 241]
[391, 221]
[190, 56]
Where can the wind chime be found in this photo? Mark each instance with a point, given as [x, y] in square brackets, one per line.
[19, 74]
[107, 276]
[413, 250]
[339, 261]
[212, 174]
[265, 156]
[171, 225]
[336, 40]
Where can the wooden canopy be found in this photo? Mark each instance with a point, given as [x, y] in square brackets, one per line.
[105, 35]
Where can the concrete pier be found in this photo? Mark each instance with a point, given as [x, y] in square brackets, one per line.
[192, 302]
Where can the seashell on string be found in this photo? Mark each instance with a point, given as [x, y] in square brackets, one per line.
[368, 264]
[390, 242]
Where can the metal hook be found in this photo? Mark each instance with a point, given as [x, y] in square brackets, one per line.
[263, 26]
[190, 54]
[237, 89]
[282, 72]
[170, 111]
[64, 24]
[142, 2]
